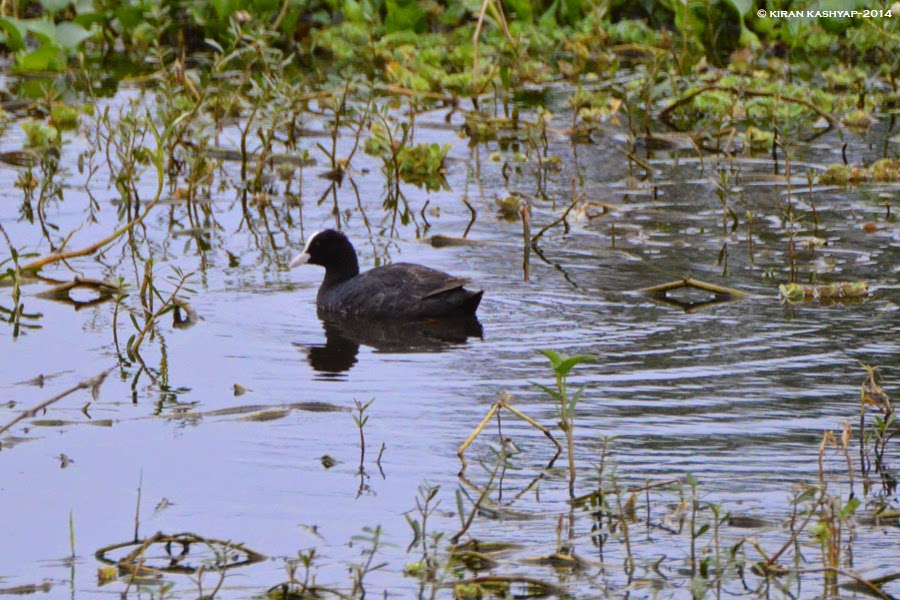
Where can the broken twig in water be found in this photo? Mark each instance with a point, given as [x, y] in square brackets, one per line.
[92, 383]
[690, 282]
[504, 402]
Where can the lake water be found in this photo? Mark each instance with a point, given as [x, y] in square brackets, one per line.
[737, 394]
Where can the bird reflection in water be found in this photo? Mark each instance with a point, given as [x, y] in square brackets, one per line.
[343, 337]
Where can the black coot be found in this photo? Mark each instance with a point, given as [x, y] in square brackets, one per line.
[398, 291]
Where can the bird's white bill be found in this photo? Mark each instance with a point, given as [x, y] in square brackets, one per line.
[300, 259]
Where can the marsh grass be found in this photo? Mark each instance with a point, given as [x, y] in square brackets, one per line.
[817, 541]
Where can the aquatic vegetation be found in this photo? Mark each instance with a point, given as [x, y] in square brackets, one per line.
[505, 403]
[565, 402]
[603, 136]
[881, 171]
[58, 41]
[40, 135]
[421, 164]
[835, 292]
[874, 440]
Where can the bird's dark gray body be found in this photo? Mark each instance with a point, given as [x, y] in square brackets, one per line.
[401, 291]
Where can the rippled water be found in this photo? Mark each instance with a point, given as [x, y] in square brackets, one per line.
[737, 394]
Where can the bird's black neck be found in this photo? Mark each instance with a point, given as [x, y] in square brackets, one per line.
[335, 274]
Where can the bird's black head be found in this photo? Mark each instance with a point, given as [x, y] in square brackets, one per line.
[330, 249]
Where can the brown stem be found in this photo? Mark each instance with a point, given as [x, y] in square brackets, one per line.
[93, 383]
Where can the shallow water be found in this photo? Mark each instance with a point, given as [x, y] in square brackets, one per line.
[737, 394]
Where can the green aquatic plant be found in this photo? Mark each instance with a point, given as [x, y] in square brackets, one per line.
[13, 272]
[875, 437]
[63, 116]
[371, 542]
[834, 292]
[57, 41]
[565, 402]
[40, 135]
[420, 164]
[757, 139]
[427, 504]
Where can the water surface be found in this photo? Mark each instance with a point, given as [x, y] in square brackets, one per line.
[737, 394]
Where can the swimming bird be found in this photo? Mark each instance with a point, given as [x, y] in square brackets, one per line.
[393, 292]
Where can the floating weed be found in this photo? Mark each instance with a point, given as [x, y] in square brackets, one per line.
[64, 117]
[757, 139]
[40, 135]
[421, 164]
[506, 587]
[509, 208]
[859, 120]
[93, 384]
[480, 128]
[886, 170]
[825, 294]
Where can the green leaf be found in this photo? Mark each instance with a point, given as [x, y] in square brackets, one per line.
[44, 30]
[569, 363]
[433, 492]
[353, 12]
[850, 507]
[571, 11]
[743, 6]
[404, 15]
[575, 398]
[129, 17]
[45, 58]
[544, 388]
[214, 45]
[417, 531]
[15, 31]
[520, 10]
[554, 356]
[54, 6]
[70, 36]
[547, 22]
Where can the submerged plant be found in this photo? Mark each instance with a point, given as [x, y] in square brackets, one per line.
[372, 543]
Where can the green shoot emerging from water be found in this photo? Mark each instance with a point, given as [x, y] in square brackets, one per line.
[565, 404]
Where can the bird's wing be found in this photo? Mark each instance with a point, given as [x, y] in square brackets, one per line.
[454, 283]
